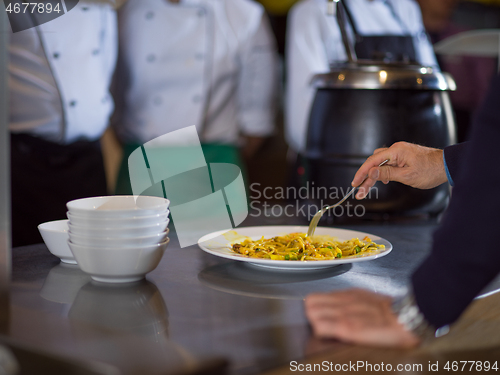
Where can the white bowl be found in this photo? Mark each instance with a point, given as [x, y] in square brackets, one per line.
[116, 206]
[118, 242]
[149, 230]
[118, 265]
[55, 235]
[131, 222]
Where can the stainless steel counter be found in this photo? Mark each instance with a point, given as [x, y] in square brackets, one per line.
[194, 307]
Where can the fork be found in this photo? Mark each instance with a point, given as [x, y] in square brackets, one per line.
[317, 217]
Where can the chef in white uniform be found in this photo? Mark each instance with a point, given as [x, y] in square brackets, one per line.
[208, 63]
[314, 42]
[59, 78]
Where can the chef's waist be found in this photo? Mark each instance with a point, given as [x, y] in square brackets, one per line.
[28, 143]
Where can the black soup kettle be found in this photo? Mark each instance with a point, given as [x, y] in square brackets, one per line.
[361, 106]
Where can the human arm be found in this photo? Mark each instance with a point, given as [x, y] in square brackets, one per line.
[357, 316]
[417, 166]
[463, 259]
[251, 146]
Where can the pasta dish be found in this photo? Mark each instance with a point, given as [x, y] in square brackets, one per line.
[297, 246]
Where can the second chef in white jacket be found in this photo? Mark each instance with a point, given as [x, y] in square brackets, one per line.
[314, 42]
[209, 63]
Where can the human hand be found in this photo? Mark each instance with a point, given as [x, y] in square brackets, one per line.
[252, 144]
[417, 166]
[357, 316]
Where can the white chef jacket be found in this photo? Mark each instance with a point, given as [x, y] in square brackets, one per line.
[314, 42]
[60, 73]
[179, 57]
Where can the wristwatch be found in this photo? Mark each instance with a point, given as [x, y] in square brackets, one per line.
[410, 316]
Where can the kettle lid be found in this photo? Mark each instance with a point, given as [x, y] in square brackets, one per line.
[379, 75]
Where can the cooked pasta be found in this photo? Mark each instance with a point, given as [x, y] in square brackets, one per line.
[297, 246]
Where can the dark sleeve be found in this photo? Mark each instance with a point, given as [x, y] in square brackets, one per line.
[465, 255]
[453, 155]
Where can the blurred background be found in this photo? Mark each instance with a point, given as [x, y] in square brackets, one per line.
[442, 18]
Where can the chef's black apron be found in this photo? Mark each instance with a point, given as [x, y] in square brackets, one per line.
[386, 48]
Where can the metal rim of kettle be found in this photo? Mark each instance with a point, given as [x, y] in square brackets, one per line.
[376, 76]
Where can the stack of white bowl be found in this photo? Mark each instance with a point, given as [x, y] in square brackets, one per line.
[118, 238]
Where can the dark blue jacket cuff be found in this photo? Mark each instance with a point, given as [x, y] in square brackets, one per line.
[453, 157]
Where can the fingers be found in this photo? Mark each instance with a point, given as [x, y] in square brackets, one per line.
[372, 162]
[357, 316]
[385, 174]
[379, 150]
[331, 314]
[390, 173]
[327, 313]
[341, 299]
[364, 188]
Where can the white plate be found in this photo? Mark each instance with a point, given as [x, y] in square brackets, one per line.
[219, 244]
